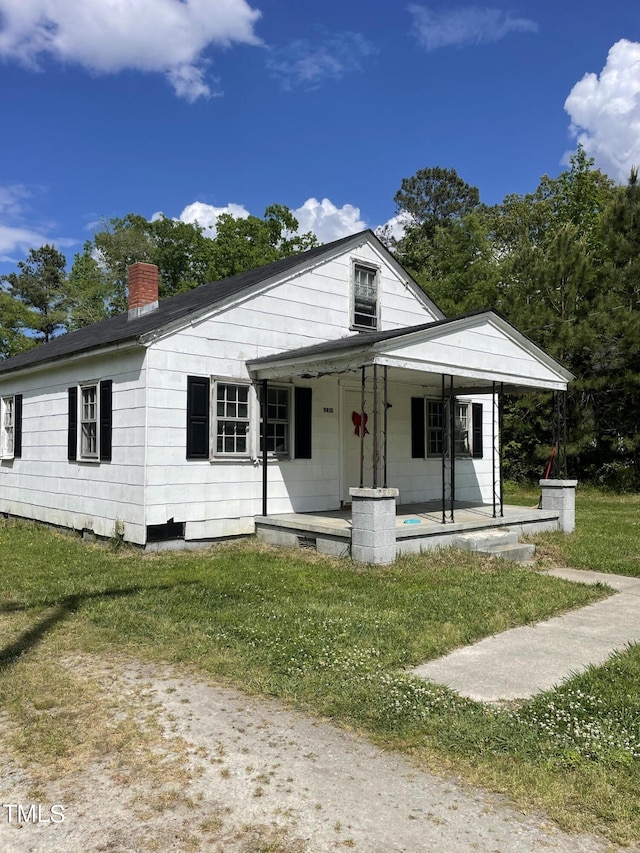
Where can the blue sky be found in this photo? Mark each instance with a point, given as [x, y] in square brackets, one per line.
[193, 107]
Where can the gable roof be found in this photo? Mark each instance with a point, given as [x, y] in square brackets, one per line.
[412, 347]
[122, 330]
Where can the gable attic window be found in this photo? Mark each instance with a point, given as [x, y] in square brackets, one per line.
[90, 422]
[11, 427]
[365, 297]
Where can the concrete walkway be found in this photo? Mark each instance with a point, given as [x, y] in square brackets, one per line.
[524, 661]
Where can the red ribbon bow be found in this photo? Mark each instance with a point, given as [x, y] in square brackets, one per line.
[357, 419]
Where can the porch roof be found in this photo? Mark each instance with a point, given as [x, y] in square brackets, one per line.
[477, 349]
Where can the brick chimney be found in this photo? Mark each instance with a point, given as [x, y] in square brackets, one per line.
[143, 289]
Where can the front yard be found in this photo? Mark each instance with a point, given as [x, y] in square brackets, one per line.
[334, 640]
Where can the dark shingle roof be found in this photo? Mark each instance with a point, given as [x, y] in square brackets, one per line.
[120, 329]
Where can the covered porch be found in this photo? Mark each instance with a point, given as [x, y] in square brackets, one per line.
[420, 436]
[418, 527]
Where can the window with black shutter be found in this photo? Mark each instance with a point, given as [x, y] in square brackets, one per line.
[72, 425]
[17, 444]
[11, 426]
[302, 423]
[90, 422]
[105, 415]
[198, 405]
[417, 428]
[476, 430]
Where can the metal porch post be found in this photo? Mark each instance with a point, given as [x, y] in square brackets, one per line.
[364, 379]
[493, 445]
[500, 451]
[374, 449]
[452, 430]
[563, 435]
[443, 455]
[265, 409]
[385, 403]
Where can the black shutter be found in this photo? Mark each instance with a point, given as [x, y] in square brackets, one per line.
[106, 409]
[198, 391]
[72, 426]
[417, 428]
[303, 421]
[17, 426]
[476, 430]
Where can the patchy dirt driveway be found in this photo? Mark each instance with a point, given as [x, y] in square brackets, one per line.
[234, 773]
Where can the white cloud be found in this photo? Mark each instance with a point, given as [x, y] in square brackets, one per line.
[11, 199]
[393, 229]
[465, 25]
[15, 242]
[206, 215]
[103, 36]
[605, 111]
[16, 237]
[327, 221]
[308, 64]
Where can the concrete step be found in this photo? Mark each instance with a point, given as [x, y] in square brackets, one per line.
[483, 539]
[518, 552]
[498, 542]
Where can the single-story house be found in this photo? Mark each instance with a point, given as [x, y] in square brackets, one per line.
[151, 426]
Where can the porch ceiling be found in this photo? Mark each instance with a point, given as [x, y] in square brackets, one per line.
[477, 350]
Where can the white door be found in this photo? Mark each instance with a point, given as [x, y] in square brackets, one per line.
[351, 441]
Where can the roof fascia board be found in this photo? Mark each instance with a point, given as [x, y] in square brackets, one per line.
[262, 286]
[438, 368]
[321, 365]
[72, 358]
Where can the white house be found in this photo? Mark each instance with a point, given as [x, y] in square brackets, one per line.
[149, 425]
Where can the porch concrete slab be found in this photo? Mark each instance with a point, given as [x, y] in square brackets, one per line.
[524, 661]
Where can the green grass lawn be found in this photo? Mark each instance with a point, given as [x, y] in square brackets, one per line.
[607, 536]
[333, 639]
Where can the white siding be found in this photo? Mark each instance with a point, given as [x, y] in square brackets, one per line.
[150, 481]
[44, 485]
[484, 352]
[222, 497]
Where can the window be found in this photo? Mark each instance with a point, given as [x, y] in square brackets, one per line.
[277, 420]
[218, 418]
[365, 297]
[232, 419]
[11, 426]
[438, 427]
[221, 420]
[467, 428]
[435, 428]
[461, 430]
[90, 422]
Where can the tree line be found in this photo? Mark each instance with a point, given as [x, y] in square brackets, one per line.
[40, 299]
[562, 264]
